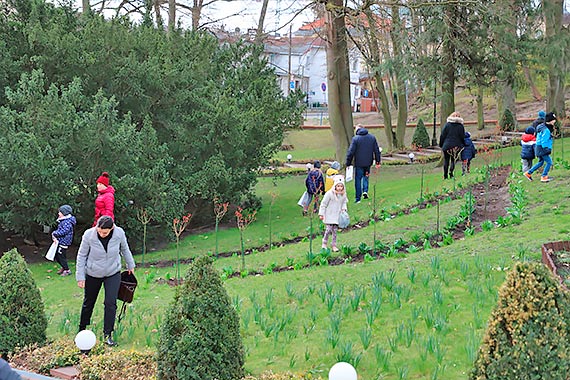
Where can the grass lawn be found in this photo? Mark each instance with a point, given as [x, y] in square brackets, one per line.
[416, 316]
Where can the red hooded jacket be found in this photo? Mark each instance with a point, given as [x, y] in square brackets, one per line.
[105, 204]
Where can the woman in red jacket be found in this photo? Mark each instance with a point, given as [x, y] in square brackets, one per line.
[105, 202]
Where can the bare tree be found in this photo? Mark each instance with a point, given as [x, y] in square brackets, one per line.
[557, 50]
[338, 75]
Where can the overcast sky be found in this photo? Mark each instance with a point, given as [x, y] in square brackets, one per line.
[279, 14]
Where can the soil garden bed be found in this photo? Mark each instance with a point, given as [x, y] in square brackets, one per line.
[556, 256]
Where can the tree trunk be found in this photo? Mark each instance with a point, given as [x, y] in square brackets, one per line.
[86, 5]
[374, 61]
[171, 15]
[396, 36]
[159, 22]
[448, 69]
[480, 116]
[338, 78]
[557, 46]
[535, 92]
[196, 13]
[259, 34]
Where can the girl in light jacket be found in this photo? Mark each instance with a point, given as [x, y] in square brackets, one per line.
[99, 263]
[334, 202]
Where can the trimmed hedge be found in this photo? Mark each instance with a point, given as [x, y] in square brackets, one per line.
[529, 330]
[421, 137]
[22, 315]
[200, 337]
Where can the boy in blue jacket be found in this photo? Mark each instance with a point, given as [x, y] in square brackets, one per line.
[63, 236]
[543, 148]
[467, 154]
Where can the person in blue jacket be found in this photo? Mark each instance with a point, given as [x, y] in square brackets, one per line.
[315, 184]
[63, 235]
[543, 148]
[364, 150]
[451, 142]
[467, 154]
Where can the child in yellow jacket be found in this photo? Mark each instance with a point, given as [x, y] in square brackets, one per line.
[331, 172]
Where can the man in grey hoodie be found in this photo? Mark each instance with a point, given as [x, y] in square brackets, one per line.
[99, 263]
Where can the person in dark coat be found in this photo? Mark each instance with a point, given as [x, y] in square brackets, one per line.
[451, 142]
[364, 150]
[467, 154]
[315, 184]
[528, 141]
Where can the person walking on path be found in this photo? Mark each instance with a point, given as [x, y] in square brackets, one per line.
[99, 263]
[528, 142]
[315, 185]
[467, 154]
[105, 201]
[364, 150]
[334, 202]
[543, 148]
[451, 142]
[63, 236]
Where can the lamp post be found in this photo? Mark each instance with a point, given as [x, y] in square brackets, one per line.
[433, 138]
[342, 371]
[85, 340]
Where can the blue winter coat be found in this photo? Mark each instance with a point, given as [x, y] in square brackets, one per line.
[528, 141]
[469, 150]
[543, 141]
[64, 231]
[363, 149]
[315, 182]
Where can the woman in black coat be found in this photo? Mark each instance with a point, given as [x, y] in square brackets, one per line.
[451, 142]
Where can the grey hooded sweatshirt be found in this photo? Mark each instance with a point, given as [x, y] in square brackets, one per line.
[92, 259]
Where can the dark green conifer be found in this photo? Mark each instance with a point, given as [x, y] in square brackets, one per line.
[22, 315]
[200, 337]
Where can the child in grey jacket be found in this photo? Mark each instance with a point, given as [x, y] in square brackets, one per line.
[334, 202]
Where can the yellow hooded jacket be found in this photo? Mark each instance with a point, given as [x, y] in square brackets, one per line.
[329, 181]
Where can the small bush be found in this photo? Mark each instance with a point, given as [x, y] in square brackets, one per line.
[200, 337]
[421, 137]
[22, 317]
[529, 329]
[507, 121]
[60, 353]
[282, 376]
[118, 365]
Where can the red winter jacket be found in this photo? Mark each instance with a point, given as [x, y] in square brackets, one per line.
[105, 204]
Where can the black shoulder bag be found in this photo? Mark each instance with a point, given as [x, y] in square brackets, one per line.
[126, 291]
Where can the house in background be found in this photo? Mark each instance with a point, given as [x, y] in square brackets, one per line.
[300, 62]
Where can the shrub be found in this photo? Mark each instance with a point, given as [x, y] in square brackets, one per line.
[529, 329]
[119, 365]
[507, 121]
[421, 137]
[200, 337]
[59, 353]
[22, 316]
